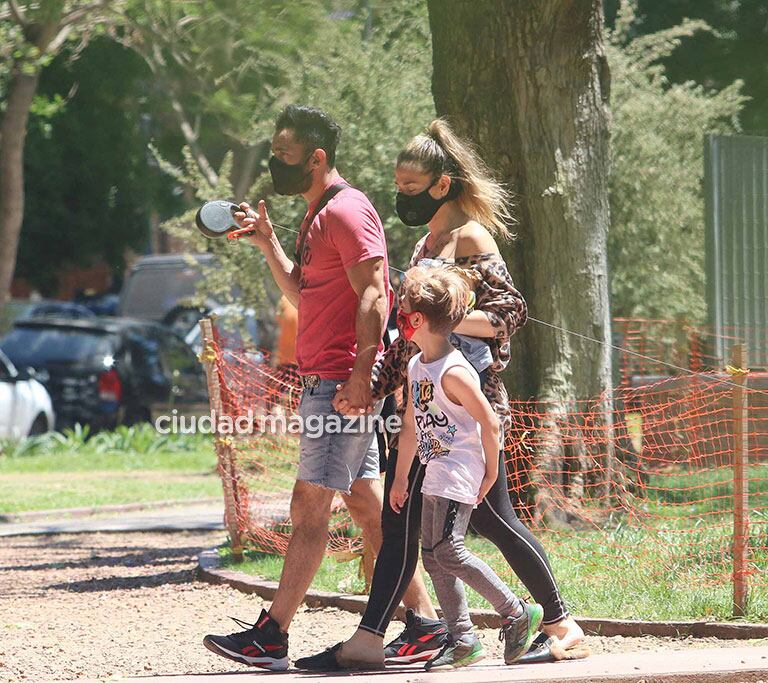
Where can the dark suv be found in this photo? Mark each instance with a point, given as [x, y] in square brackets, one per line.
[161, 288]
[109, 371]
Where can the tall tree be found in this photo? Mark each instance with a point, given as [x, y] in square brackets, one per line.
[90, 180]
[656, 243]
[737, 48]
[38, 31]
[219, 70]
[529, 82]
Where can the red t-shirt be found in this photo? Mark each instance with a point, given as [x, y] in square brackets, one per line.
[345, 232]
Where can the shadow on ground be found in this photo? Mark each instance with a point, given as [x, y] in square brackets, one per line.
[114, 557]
[125, 582]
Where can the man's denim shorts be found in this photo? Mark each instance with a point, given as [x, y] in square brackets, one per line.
[329, 457]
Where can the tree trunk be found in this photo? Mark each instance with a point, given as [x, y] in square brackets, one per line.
[244, 169]
[13, 132]
[528, 82]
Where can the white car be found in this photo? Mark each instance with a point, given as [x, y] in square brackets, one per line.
[25, 406]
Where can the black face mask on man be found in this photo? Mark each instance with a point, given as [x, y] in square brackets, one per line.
[418, 209]
[289, 179]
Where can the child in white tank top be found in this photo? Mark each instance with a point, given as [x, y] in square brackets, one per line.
[449, 438]
[454, 431]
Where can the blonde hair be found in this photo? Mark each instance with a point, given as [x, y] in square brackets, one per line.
[440, 151]
[441, 295]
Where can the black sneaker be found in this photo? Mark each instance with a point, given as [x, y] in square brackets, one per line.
[327, 661]
[421, 640]
[262, 644]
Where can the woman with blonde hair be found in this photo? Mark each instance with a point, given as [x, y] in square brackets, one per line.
[442, 183]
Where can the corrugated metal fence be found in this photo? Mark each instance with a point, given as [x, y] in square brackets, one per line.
[736, 189]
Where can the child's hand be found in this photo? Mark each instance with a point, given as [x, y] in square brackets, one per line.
[398, 494]
[486, 485]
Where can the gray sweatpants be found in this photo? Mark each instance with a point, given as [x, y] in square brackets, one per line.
[443, 525]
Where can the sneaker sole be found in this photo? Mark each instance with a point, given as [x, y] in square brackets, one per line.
[270, 663]
[422, 656]
[460, 664]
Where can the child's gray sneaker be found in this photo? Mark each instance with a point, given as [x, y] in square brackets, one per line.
[455, 655]
[518, 632]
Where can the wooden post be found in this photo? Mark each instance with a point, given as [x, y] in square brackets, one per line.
[222, 443]
[624, 369]
[738, 374]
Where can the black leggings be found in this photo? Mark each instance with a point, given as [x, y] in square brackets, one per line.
[494, 519]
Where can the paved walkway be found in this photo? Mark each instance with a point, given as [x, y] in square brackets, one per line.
[746, 664]
[199, 517]
[736, 665]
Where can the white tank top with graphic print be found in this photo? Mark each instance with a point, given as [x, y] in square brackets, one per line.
[447, 437]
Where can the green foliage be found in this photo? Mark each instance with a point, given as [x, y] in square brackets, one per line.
[656, 243]
[377, 88]
[47, 107]
[735, 48]
[130, 443]
[240, 274]
[219, 63]
[89, 188]
[82, 157]
[371, 70]
[29, 44]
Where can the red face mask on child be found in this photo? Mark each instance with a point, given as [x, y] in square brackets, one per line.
[405, 325]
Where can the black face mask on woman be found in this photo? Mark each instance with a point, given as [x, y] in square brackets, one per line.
[289, 178]
[418, 209]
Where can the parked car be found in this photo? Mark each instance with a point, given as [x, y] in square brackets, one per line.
[61, 309]
[99, 304]
[17, 309]
[109, 371]
[161, 288]
[25, 406]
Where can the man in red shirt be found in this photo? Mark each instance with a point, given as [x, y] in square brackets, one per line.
[339, 282]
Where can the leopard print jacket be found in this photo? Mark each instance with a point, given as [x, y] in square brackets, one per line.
[496, 296]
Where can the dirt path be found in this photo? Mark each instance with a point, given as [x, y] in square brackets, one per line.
[118, 605]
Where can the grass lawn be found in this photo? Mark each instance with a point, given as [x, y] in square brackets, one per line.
[670, 560]
[595, 585]
[126, 466]
[22, 492]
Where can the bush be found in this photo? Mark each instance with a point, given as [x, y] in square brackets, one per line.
[141, 439]
[656, 241]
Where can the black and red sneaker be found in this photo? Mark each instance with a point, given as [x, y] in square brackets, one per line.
[421, 640]
[262, 644]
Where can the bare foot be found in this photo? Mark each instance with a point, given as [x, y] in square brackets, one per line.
[362, 647]
[567, 631]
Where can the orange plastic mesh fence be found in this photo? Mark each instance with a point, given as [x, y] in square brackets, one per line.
[691, 347]
[643, 475]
